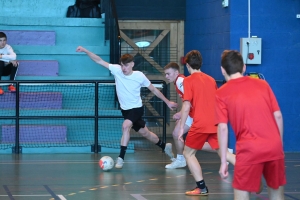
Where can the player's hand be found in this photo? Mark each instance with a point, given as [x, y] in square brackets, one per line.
[80, 49]
[223, 170]
[14, 63]
[172, 105]
[177, 116]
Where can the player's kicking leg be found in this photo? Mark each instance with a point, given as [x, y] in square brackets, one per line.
[152, 137]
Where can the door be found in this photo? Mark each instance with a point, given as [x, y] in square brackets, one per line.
[154, 44]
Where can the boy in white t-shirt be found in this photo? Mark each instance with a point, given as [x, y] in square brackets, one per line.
[128, 86]
[8, 63]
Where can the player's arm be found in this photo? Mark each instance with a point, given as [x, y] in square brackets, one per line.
[93, 56]
[157, 93]
[279, 121]
[11, 55]
[223, 144]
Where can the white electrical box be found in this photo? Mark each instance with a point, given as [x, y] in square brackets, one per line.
[250, 49]
[225, 3]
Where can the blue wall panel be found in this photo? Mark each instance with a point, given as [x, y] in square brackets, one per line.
[279, 30]
[207, 29]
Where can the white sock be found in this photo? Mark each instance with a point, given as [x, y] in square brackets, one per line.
[180, 157]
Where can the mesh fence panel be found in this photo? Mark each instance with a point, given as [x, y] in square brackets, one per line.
[65, 115]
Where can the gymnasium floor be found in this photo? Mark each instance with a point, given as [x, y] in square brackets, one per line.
[143, 177]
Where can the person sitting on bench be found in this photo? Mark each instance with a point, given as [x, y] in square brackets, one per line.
[8, 63]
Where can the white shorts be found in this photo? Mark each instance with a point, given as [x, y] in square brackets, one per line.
[189, 121]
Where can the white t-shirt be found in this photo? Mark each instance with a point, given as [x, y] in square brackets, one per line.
[7, 53]
[129, 87]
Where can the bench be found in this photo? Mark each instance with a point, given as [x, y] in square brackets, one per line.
[38, 68]
[32, 100]
[30, 37]
[35, 133]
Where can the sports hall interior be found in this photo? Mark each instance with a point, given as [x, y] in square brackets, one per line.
[53, 152]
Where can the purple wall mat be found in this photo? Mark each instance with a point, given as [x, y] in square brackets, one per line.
[33, 100]
[35, 133]
[38, 68]
[46, 38]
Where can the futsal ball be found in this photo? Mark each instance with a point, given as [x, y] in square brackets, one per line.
[106, 163]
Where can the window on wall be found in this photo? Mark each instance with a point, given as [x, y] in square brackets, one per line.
[151, 49]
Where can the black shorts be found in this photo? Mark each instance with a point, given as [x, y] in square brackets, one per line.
[6, 70]
[135, 116]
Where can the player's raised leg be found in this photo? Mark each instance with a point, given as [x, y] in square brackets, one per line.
[152, 137]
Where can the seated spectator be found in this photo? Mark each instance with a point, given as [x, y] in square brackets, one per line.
[8, 63]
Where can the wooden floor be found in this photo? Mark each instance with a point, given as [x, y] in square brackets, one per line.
[143, 177]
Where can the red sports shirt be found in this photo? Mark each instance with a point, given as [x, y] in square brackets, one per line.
[200, 90]
[249, 105]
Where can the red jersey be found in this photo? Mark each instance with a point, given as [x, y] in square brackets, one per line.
[179, 85]
[180, 90]
[249, 105]
[200, 90]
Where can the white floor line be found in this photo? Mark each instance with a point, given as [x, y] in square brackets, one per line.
[37, 195]
[32, 195]
[61, 197]
[138, 196]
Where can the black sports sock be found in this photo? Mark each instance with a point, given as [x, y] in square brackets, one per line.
[122, 152]
[201, 185]
[161, 144]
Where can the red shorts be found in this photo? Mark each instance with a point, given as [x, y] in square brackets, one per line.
[248, 177]
[197, 140]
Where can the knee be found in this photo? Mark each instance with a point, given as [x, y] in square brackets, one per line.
[2, 64]
[15, 64]
[174, 133]
[186, 153]
[189, 152]
[144, 132]
[126, 127]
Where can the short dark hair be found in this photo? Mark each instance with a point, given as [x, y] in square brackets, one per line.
[194, 59]
[232, 62]
[3, 35]
[126, 58]
[172, 65]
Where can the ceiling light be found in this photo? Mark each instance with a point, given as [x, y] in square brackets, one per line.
[142, 44]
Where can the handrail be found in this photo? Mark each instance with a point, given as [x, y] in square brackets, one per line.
[114, 9]
[112, 30]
